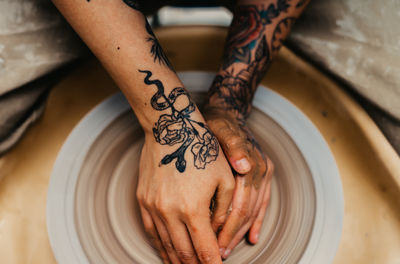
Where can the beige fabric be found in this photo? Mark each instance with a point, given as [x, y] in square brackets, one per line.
[359, 41]
[34, 40]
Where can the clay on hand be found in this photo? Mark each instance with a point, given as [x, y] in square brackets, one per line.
[253, 171]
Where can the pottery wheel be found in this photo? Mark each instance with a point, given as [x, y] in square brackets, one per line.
[93, 216]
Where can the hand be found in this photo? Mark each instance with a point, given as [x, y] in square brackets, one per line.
[175, 206]
[253, 180]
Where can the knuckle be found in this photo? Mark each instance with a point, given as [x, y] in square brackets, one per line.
[185, 255]
[139, 196]
[219, 220]
[233, 142]
[189, 210]
[219, 126]
[205, 256]
[147, 203]
[214, 123]
[242, 211]
[162, 207]
[168, 246]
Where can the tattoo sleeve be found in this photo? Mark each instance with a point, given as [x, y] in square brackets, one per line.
[255, 35]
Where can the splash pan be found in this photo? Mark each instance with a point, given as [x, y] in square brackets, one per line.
[93, 216]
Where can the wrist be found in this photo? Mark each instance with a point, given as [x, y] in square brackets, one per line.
[217, 106]
[218, 111]
[157, 98]
[232, 91]
[165, 123]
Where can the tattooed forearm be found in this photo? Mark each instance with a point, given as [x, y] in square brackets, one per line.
[235, 90]
[155, 49]
[280, 32]
[256, 33]
[177, 127]
[247, 28]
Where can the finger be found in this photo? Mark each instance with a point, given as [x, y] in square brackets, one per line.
[256, 227]
[204, 239]
[181, 241]
[245, 227]
[223, 203]
[165, 239]
[257, 208]
[238, 237]
[260, 198]
[235, 146]
[239, 215]
[152, 234]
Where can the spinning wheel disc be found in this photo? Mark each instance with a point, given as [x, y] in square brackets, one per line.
[91, 199]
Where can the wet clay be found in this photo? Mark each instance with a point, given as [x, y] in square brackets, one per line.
[102, 220]
[108, 218]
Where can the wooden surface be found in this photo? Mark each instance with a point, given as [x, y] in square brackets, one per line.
[369, 167]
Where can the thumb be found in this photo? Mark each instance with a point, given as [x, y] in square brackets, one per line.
[235, 146]
[236, 150]
[240, 165]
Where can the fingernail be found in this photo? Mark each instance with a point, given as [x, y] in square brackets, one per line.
[226, 253]
[257, 235]
[221, 251]
[243, 165]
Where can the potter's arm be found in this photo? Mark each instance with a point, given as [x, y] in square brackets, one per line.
[121, 38]
[255, 36]
[180, 166]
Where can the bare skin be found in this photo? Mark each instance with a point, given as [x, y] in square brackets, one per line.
[181, 169]
[175, 206]
[174, 191]
[253, 181]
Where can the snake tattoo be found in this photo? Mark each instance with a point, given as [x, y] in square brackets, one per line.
[177, 127]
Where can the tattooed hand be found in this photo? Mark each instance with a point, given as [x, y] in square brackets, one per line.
[253, 177]
[257, 31]
[175, 205]
[180, 172]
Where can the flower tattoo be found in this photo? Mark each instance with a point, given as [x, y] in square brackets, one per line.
[248, 27]
[205, 151]
[177, 127]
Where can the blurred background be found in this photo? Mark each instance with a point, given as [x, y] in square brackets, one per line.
[355, 42]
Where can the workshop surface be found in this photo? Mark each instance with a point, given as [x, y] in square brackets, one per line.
[369, 167]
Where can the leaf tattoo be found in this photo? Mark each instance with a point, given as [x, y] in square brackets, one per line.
[177, 127]
[156, 49]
